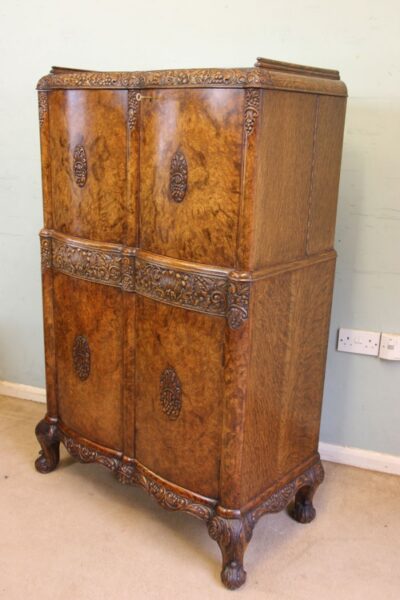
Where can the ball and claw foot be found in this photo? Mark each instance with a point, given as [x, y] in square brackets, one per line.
[49, 456]
[303, 510]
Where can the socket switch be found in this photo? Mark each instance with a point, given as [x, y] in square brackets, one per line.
[390, 346]
[358, 342]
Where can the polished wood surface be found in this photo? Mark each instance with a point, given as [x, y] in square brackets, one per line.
[188, 263]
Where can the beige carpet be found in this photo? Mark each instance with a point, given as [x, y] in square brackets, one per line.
[76, 534]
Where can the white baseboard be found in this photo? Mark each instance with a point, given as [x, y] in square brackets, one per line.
[19, 390]
[354, 457]
[363, 459]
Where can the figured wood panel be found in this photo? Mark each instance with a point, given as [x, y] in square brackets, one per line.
[91, 406]
[88, 145]
[184, 449]
[283, 174]
[326, 173]
[289, 338]
[190, 157]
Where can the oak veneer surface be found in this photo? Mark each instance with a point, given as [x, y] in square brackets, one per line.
[188, 265]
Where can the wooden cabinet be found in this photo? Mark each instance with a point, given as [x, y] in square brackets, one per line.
[188, 266]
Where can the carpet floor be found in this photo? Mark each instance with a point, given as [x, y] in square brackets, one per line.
[77, 534]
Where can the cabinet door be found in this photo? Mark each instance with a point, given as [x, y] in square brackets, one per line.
[88, 331]
[190, 157]
[179, 387]
[88, 147]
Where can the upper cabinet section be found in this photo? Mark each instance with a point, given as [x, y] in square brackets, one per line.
[88, 166]
[190, 161]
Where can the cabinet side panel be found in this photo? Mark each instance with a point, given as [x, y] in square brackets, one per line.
[179, 386]
[284, 163]
[89, 147]
[326, 173]
[89, 322]
[289, 339]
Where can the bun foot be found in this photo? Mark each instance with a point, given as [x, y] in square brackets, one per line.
[47, 435]
[232, 536]
[303, 512]
[233, 575]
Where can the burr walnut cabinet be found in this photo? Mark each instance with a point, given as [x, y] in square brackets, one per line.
[188, 262]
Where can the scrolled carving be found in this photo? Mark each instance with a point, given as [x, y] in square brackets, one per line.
[81, 357]
[80, 166]
[85, 454]
[170, 393]
[204, 293]
[87, 263]
[238, 303]
[178, 177]
[251, 110]
[133, 108]
[278, 501]
[43, 107]
[45, 253]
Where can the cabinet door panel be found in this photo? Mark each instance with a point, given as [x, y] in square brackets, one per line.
[88, 146]
[88, 327]
[179, 379]
[190, 156]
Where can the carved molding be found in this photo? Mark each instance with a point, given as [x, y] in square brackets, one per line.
[190, 290]
[43, 107]
[278, 501]
[238, 303]
[170, 393]
[178, 177]
[87, 263]
[133, 108]
[153, 79]
[131, 473]
[80, 166]
[81, 357]
[210, 293]
[251, 110]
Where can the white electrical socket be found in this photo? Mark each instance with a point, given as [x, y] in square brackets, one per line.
[390, 346]
[358, 342]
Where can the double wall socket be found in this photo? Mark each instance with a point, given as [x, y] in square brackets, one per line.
[359, 342]
[373, 343]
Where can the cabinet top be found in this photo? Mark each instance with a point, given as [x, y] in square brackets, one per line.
[269, 74]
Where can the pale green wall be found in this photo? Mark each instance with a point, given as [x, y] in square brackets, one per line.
[361, 38]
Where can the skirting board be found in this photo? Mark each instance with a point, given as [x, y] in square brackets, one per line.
[354, 457]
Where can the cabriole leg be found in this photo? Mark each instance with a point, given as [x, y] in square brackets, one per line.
[47, 435]
[232, 536]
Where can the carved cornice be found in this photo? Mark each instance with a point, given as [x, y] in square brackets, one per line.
[252, 77]
[192, 287]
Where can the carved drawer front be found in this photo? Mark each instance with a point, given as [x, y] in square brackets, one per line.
[178, 396]
[88, 327]
[88, 148]
[190, 154]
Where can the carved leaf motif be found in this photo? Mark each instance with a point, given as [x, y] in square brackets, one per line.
[43, 107]
[178, 177]
[80, 165]
[81, 357]
[133, 107]
[238, 303]
[170, 393]
[251, 111]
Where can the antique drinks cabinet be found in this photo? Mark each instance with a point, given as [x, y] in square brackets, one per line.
[188, 263]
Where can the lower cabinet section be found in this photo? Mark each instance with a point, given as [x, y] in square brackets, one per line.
[179, 391]
[88, 338]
